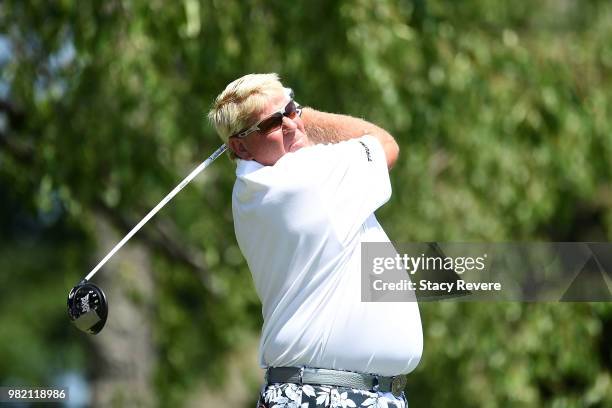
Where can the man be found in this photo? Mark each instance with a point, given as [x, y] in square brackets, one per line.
[307, 185]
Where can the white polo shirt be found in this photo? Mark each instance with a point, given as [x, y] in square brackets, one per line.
[300, 224]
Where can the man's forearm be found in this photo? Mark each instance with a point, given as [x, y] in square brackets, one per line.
[323, 127]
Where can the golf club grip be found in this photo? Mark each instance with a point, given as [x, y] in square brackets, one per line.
[158, 207]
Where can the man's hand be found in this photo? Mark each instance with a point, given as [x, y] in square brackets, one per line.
[323, 127]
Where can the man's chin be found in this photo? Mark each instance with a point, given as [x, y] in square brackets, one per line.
[295, 147]
[298, 144]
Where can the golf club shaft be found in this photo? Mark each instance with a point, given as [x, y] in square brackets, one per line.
[158, 207]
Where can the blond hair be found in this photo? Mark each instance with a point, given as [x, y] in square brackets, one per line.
[238, 106]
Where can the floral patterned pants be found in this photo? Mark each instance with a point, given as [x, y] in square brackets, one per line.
[319, 396]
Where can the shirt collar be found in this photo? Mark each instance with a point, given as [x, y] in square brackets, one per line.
[245, 167]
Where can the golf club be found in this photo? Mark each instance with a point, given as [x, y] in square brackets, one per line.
[87, 304]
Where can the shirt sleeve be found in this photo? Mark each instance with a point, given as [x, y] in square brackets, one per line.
[352, 180]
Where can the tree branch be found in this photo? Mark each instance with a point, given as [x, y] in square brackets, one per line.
[16, 118]
[166, 240]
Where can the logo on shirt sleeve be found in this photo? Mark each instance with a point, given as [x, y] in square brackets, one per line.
[367, 150]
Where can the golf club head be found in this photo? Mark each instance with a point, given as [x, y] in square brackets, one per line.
[87, 307]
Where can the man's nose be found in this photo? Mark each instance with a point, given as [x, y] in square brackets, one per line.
[289, 124]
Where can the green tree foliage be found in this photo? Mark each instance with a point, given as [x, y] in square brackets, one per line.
[502, 111]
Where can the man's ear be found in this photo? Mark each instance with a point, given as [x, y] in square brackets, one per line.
[238, 146]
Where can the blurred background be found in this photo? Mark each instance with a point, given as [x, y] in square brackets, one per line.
[503, 114]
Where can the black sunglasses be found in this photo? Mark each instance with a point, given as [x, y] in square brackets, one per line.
[274, 121]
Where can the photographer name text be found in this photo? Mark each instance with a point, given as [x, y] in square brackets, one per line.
[424, 284]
